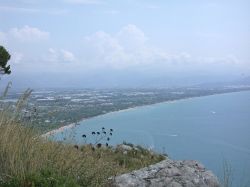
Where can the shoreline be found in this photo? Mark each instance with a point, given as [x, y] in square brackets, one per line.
[60, 129]
[72, 125]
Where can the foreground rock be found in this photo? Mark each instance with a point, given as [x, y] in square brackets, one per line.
[169, 173]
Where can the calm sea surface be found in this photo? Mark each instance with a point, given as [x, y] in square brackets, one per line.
[211, 129]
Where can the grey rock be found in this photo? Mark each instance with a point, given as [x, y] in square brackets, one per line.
[124, 147]
[169, 173]
[175, 184]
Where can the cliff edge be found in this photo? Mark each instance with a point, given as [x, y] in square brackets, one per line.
[169, 173]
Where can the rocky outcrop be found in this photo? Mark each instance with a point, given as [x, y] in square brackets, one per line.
[169, 173]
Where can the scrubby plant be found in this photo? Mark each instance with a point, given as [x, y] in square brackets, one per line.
[27, 159]
[4, 58]
[30, 160]
[99, 138]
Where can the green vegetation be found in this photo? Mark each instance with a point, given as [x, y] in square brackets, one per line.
[26, 159]
[51, 109]
[29, 160]
[4, 58]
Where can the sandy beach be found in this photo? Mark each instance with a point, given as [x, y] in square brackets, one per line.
[72, 125]
[61, 129]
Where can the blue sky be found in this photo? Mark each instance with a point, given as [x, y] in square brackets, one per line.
[125, 43]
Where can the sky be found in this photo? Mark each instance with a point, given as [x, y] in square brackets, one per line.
[126, 43]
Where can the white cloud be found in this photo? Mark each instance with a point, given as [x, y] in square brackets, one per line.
[28, 34]
[131, 48]
[57, 56]
[128, 47]
[67, 56]
[53, 55]
[102, 47]
[131, 37]
[84, 2]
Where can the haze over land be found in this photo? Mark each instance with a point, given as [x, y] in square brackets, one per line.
[98, 43]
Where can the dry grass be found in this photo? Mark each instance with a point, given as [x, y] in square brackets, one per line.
[26, 159]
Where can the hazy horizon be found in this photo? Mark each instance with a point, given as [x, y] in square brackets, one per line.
[106, 43]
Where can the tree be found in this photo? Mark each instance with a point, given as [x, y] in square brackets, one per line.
[4, 58]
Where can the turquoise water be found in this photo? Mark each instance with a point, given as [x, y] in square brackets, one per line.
[211, 129]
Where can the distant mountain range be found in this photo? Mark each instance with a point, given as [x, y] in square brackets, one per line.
[122, 79]
[239, 82]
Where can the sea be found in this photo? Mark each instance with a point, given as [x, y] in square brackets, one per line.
[214, 130]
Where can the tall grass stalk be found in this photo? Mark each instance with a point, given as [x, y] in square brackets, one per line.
[27, 159]
[24, 154]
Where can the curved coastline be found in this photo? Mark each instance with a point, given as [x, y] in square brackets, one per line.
[72, 125]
